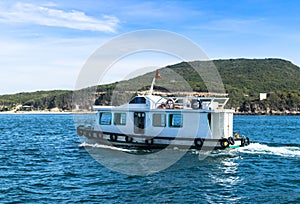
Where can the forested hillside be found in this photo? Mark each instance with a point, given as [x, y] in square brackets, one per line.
[243, 79]
[40, 100]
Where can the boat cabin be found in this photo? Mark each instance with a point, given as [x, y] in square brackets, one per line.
[167, 117]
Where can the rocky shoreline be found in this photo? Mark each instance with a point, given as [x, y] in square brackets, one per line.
[283, 113]
[44, 112]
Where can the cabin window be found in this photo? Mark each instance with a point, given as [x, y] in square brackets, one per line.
[105, 118]
[159, 120]
[175, 120]
[138, 100]
[120, 118]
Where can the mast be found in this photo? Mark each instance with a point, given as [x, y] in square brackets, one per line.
[152, 86]
[157, 76]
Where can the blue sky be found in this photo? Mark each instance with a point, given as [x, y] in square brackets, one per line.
[46, 43]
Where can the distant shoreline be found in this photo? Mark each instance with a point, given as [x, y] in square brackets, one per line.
[94, 112]
[43, 113]
[278, 113]
[254, 114]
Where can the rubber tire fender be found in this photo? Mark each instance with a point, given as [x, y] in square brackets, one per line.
[113, 137]
[170, 103]
[230, 140]
[128, 139]
[149, 141]
[198, 142]
[248, 140]
[79, 131]
[243, 140]
[99, 135]
[224, 143]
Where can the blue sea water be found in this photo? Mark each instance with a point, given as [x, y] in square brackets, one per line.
[43, 161]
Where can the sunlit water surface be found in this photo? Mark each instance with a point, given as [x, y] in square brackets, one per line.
[44, 161]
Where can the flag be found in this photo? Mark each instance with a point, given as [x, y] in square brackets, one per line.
[157, 75]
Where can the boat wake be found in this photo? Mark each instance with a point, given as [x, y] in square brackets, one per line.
[285, 151]
[253, 148]
[96, 145]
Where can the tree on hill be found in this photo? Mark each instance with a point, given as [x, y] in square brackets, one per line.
[243, 79]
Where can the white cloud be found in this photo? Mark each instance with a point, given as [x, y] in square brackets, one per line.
[42, 15]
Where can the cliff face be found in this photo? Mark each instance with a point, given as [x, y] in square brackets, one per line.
[244, 80]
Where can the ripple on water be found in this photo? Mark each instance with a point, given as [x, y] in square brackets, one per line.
[41, 162]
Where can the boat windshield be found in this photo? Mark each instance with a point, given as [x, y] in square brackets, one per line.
[138, 100]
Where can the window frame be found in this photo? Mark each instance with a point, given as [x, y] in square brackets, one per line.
[100, 118]
[138, 100]
[161, 114]
[171, 119]
[120, 118]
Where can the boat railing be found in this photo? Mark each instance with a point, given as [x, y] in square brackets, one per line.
[205, 103]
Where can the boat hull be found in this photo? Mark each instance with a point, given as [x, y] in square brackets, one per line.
[156, 142]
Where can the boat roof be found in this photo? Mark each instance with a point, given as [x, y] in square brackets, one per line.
[149, 102]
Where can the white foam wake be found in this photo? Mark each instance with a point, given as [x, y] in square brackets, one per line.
[96, 145]
[253, 148]
[256, 148]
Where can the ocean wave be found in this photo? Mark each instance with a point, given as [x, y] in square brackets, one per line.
[257, 148]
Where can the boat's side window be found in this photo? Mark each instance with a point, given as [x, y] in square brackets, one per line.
[138, 100]
[120, 118]
[159, 120]
[105, 118]
[175, 120]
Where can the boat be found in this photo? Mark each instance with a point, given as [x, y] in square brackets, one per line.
[151, 121]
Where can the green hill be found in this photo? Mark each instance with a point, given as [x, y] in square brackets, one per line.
[39, 100]
[243, 80]
[259, 75]
[250, 76]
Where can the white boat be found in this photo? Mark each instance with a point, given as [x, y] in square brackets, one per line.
[156, 122]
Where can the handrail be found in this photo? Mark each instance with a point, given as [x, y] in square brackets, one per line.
[211, 103]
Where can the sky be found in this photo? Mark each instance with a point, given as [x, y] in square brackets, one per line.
[45, 44]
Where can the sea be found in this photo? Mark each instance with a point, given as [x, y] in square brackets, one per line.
[42, 160]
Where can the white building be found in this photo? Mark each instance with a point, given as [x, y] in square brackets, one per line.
[262, 96]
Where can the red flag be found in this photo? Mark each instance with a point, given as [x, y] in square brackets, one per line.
[157, 75]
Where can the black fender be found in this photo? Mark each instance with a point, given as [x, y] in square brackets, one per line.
[230, 140]
[198, 142]
[243, 140]
[128, 139]
[113, 137]
[149, 141]
[79, 130]
[224, 143]
[248, 140]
